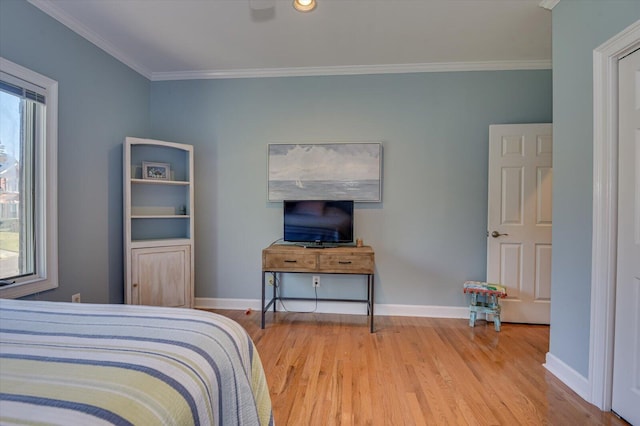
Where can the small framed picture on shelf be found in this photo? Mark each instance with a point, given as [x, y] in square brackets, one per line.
[156, 171]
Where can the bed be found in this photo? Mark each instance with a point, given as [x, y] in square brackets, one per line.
[88, 364]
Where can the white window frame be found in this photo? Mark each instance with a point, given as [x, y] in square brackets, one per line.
[46, 175]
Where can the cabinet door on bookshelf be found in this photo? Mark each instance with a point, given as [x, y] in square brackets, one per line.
[161, 276]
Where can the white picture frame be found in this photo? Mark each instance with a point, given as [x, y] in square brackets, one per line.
[156, 171]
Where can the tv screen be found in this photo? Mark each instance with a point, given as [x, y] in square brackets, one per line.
[318, 221]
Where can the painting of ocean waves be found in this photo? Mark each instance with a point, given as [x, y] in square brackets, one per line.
[336, 171]
[324, 190]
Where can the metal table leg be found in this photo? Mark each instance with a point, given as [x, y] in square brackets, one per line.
[262, 306]
[371, 300]
[273, 276]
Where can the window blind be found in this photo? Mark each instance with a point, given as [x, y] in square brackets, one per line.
[24, 89]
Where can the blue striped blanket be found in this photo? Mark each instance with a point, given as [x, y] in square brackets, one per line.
[86, 364]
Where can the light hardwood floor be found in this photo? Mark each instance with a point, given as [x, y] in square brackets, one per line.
[326, 369]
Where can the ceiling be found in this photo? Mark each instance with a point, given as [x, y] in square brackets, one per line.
[183, 39]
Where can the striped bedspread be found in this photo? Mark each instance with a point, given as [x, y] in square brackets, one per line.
[85, 364]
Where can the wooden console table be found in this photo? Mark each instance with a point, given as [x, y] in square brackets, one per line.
[335, 260]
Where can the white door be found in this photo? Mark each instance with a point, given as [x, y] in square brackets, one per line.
[626, 358]
[519, 219]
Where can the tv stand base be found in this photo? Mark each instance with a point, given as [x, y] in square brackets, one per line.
[332, 260]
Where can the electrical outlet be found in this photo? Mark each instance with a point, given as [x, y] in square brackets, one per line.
[75, 298]
[270, 280]
[315, 281]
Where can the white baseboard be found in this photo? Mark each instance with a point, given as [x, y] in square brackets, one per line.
[233, 304]
[339, 307]
[567, 375]
[423, 311]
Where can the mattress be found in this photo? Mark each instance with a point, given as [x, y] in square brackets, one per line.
[89, 364]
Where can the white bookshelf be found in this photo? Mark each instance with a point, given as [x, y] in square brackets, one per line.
[158, 224]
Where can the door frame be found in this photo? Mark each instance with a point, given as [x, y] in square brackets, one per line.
[605, 211]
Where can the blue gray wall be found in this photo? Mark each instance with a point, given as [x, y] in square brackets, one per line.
[100, 102]
[578, 28]
[429, 231]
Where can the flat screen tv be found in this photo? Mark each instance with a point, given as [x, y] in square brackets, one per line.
[318, 222]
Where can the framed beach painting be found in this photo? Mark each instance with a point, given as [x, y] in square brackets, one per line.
[325, 171]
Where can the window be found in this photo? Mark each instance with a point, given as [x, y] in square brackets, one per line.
[28, 181]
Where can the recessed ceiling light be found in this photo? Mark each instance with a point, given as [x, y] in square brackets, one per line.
[304, 5]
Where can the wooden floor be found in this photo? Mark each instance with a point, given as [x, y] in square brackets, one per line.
[326, 369]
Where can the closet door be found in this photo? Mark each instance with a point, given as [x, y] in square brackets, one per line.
[626, 359]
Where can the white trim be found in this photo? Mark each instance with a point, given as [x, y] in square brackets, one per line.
[47, 269]
[354, 70]
[339, 308]
[549, 4]
[429, 311]
[570, 377]
[50, 8]
[605, 211]
[232, 304]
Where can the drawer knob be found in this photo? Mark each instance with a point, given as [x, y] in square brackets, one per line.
[290, 261]
[344, 262]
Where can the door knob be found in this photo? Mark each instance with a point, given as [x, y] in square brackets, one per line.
[496, 234]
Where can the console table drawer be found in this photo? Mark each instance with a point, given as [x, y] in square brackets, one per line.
[347, 264]
[289, 261]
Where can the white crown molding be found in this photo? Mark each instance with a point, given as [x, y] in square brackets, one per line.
[549, 4]
[354, 70]
[49, 7]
